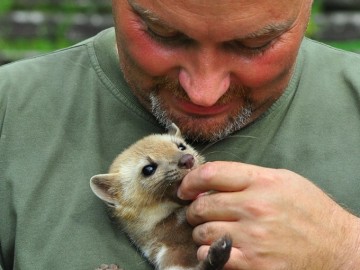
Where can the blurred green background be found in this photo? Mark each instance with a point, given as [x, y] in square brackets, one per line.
[30, 27]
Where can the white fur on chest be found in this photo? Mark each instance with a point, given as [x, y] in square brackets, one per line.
[162, 255]
[149, 217]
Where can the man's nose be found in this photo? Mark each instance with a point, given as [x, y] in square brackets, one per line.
[205, 76]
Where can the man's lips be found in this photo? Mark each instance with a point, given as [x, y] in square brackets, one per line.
[193, 109]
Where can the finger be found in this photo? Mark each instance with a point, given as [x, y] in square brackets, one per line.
[242, 239]
[218, 176]
[202, 252]
[243, 234]
[216, 207]
[207, 233]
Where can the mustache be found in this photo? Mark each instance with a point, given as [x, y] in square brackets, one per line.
[178, 91]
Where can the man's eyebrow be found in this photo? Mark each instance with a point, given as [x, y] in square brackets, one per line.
[144, 13]
[269, 30]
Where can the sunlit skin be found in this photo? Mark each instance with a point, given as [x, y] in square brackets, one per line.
[205, 65]
[207, 47]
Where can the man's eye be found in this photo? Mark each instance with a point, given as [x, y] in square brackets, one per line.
[165, 35]
[257, 46]
[247, 47]
[161, 32]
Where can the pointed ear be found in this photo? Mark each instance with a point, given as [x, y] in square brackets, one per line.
[102, 186]
[174, 130]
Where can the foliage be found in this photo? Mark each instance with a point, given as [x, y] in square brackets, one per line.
[312, 27]
[5, 6]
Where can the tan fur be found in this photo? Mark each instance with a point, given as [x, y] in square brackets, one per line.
[147, 205]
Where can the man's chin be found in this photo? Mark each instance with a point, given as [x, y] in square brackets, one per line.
[204, 129]
[198, 126]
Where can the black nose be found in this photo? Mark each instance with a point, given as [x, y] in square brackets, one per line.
[186, 161]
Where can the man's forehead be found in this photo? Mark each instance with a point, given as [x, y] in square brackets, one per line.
[256, 13]
[216, 7]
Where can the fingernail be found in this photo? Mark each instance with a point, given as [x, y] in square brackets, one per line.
[180, 195]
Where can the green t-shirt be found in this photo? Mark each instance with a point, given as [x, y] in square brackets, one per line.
[65, 116]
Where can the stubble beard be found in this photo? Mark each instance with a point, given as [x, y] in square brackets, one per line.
[194, 128]
[200, 128]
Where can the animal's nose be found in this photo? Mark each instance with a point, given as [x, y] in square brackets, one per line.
[186, 161]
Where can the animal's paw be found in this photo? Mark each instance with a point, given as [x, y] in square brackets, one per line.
[219, 253]
[108, 267]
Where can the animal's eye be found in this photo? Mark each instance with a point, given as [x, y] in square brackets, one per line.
[149, 169]
[182, 147]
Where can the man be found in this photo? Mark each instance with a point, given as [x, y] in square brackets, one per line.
[214, 68]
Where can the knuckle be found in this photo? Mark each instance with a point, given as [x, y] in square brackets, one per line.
[219, 202]
[208, 171]
[258, 208]
[273, 177]
[203, 234]
[199, 207]
[270, 177]
[259, 233]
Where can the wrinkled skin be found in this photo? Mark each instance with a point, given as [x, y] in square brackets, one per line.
[212, 67]
[278, 220]
[209, 63]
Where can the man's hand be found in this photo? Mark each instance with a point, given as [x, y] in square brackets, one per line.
[276, 218]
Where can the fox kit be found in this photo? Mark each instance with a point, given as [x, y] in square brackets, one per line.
[141, 189]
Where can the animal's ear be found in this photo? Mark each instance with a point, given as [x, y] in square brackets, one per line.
[102, 186]
[174, 130]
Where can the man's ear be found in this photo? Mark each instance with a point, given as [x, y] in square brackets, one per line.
[102, 186]
[174, 130]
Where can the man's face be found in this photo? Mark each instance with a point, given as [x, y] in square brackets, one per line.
[209, 66]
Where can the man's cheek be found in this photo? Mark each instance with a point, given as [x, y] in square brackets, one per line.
[151, 57]
[270, 68]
